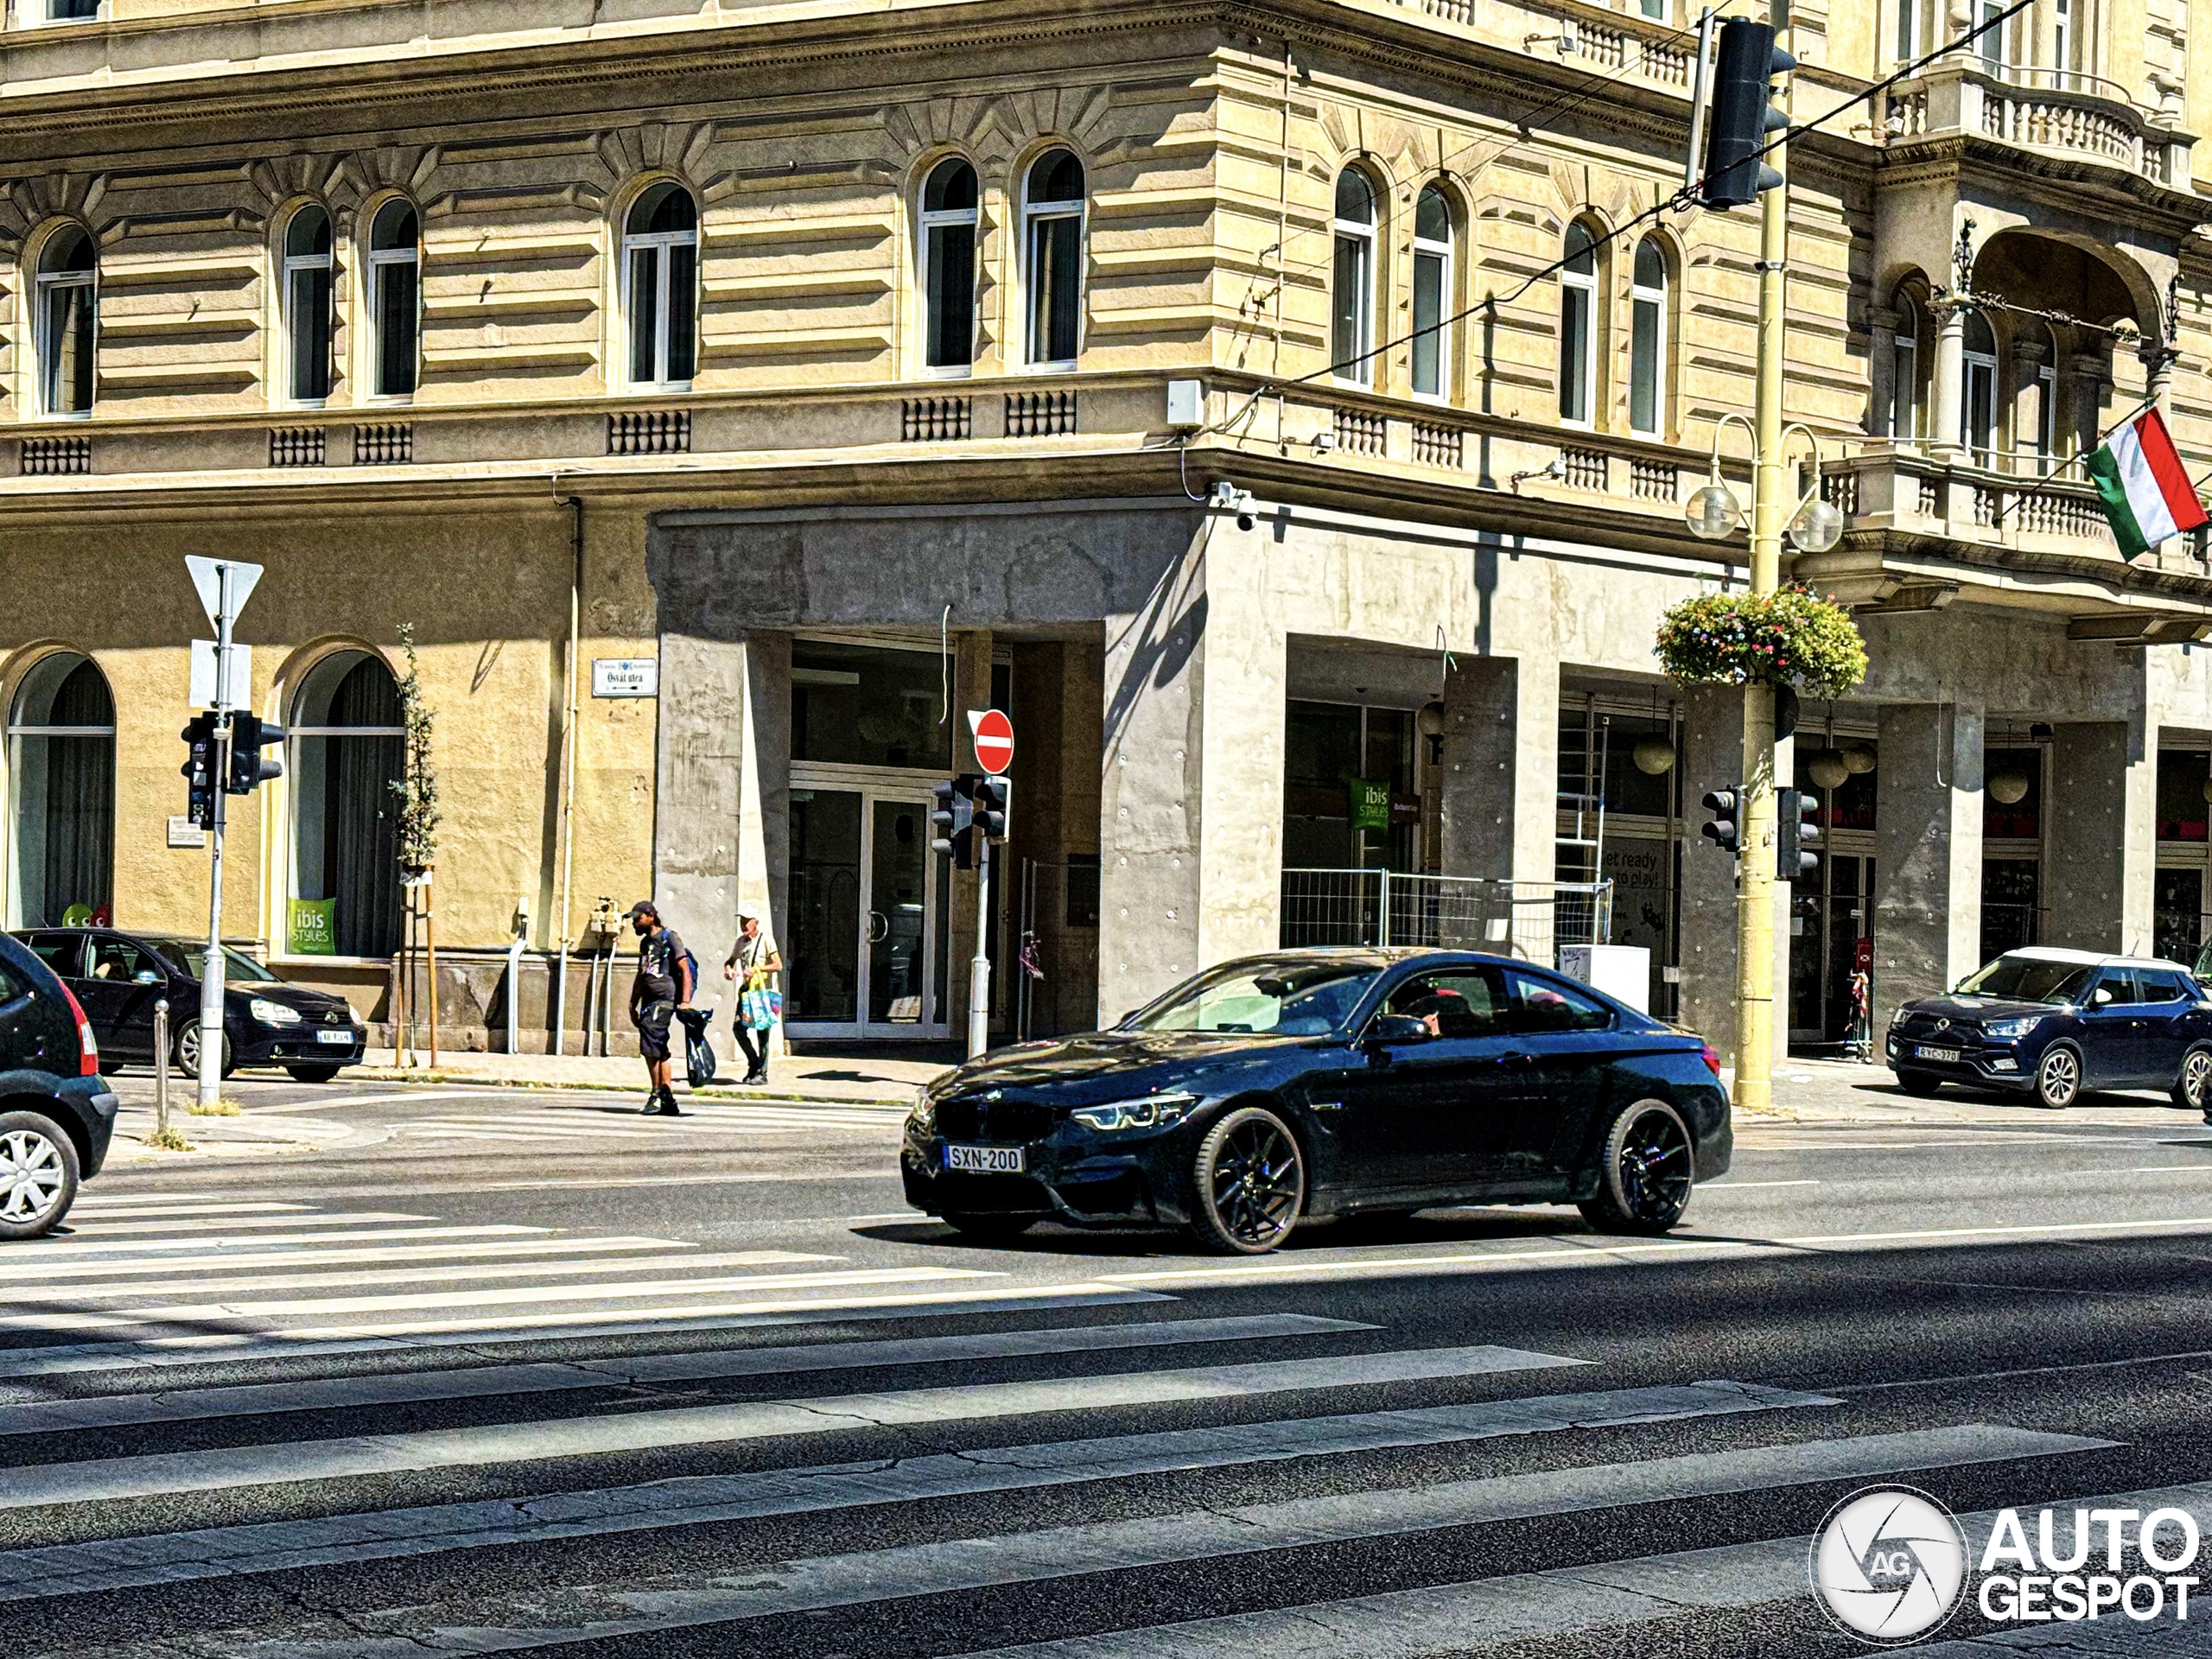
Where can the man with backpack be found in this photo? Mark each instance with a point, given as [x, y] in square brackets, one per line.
[667, 975]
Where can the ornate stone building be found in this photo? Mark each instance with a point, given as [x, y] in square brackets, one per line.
[809, 369]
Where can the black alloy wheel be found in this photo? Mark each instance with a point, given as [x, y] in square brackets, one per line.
[2193, 1084]
[1644, 1185]
[1248, 1181]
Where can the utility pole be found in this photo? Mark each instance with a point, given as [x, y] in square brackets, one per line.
[211, 973]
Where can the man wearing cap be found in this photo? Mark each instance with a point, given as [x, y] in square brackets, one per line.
[752, 962]
[663, 985]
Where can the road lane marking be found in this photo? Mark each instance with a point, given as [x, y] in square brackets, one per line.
[696, 1500]
[368, 1217]
[111, 1266]
[1744, 1187]
[131, 1208]
[345, 1393]
[368, 1100]
[220, 1468]
[47, 1248]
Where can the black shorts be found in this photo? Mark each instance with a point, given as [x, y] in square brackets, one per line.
[652, 1029]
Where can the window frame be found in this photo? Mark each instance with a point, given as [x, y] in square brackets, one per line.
[46, 363]
[375, 262]
[1363, 239]
[47, 19]
[1442, 256]
[290, 266]
[928, 223]
[1978, 367]
[661, 245]
[1035, 215]
[1904, 372]
[1584, 289]
[296, 736]
[1659, 300]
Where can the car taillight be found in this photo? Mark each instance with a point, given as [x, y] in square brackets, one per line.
[90, 1066]
[1711, 1058]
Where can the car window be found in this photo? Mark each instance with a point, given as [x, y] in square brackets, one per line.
[2120, 982]
[1545, 1005]
[1289, 999]
[2029, 979]
[120, 962]
[2160, 987]
[1462, 1002]
[189, 958]
[59, 951]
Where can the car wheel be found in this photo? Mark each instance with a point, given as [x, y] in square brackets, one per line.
[1644, 1185]
[1923, 1083]
[2193, 1085]
[990, 1229]
[2058, 1077]
[38, 1174]
[188, 1052]
[310, 1073]
[1248, 1184]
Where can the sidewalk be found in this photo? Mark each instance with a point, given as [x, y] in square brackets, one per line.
[792, 1077]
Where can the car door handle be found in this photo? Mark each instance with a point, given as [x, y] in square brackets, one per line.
[1516, 1060]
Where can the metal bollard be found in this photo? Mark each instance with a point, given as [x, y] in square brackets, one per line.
[161, 1067]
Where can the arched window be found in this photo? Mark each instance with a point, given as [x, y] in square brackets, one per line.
[306, 290]
[1352, 332]
[2046, 410]
[949, 219]
[1906, 402]
[1578, 324]
[347, 751]
[68, 314]
[1432, 294]
[1646, 347]
[660, 274]
[1978, 414]
[395, 315]
[61, 754]
[1053, 209]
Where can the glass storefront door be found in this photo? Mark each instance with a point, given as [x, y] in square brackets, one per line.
[1831, 910]
[866, 950]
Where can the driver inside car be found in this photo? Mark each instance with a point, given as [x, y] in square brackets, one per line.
[1444, 1011]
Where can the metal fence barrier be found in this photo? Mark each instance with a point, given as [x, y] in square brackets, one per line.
[1529, 920]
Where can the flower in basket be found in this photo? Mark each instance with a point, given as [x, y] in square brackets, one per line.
[1792, 635]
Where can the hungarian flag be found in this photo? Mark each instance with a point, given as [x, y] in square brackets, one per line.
[2145, 491]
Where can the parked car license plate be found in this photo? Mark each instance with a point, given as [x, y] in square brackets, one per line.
[986, 1161]
[335, 1037]
[1926, 1053]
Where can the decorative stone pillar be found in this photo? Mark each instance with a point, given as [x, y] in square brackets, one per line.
[2158, 360]
[1947, 421]
[1882, 372]
[2028, 356]
[2090, 372]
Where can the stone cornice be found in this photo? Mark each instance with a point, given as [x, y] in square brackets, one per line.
[1947, 158]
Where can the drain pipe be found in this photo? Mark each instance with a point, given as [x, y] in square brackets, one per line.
[576, 505]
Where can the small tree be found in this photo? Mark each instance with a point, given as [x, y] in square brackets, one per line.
[416, 789]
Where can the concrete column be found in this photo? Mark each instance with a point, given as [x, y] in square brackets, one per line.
[1946, 422]
[2099, 835]
[1500, 775]
[1882, 372]
[1191, 801]
[1713, 758]
[2086, 387]
[1928, 803]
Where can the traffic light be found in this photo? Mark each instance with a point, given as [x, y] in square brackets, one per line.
[1722, 830]
[199, 769]
[1742, 117]
[952, 821]
[994, 805]
[249, 768]
[1797, 833]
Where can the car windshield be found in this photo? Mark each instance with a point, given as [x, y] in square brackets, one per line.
[1283, 999]
[186, 957]
[2030, 979]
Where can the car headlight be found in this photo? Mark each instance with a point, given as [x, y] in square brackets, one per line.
[2005, 1030]
[1152, 1112]
[922, 1119]
[272, 1014]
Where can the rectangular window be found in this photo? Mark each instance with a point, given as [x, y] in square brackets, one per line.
[1428, 317]
[951, 297]
[1083, 890]
[307, 310]
[1055, 287]
[1905, 408]
[69, 325]
[1980, 433]
[70, 11]
[396, 328]
[1574, 354]
[1643, 367]
[645, 314]
[1348, 332]
[683, 310]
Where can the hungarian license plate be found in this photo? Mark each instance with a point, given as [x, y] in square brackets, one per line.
[336, 1038]
[984, 1160]
[1922, 1052]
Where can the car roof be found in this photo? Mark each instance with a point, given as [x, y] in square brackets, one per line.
[2063, 953]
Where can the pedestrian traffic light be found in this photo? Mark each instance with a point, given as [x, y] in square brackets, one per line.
[1797, 833]
[199, 769]
[994, 806]
[249, 768]
[1722, 830]
[1742, 117]
[952, 821]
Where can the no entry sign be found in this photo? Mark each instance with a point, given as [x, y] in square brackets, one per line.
[994, 739]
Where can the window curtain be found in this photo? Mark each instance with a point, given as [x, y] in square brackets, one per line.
[79, 800]
[360, 833]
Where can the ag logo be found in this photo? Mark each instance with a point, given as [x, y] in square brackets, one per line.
[1888, 1564]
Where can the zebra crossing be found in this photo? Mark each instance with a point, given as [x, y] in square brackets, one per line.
[704, 1120]
[680, 1397]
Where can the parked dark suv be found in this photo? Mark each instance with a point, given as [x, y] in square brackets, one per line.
[56, 1112]
[118, 978]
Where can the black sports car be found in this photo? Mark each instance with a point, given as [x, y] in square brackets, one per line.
[1321, 1082]
[119, 976]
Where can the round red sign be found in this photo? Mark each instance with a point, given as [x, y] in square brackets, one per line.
[994, 741]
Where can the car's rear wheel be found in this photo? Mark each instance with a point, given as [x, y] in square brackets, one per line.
[38, 1174]
[1923, 1083]
[2058, 1077]
[2193, 1086]
[987, 1229]
[312, 1073]
[1247, 1184]
[188, 1052]
[1644, 1186]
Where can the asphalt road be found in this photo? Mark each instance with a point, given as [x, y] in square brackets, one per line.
[505, 1372]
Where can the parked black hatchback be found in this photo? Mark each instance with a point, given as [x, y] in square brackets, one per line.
[118, 977]
[56, 1112]
[1315, 1082]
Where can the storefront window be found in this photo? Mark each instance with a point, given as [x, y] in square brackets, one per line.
[2177, 915]
[2181, 806]
[2011, 912]
[868, 706]
[61, 749]
[2017, 773]
[348, 752]
[1350, 799]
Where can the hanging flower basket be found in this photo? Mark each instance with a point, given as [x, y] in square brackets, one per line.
[1790, 637]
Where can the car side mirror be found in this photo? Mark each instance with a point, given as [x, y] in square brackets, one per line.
[2099, 997]
[1398, 1028]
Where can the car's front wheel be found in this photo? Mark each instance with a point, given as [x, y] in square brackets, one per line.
[188, 1052]
[38, 1174]
[2193, 1086]
[1247, 1183]
[312, 1073]
[2058, 1077]
[1644, 1186]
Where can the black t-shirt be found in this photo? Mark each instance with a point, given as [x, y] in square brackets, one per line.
[660, 957]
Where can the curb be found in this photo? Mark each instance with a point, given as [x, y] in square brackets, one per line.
[712, 1092]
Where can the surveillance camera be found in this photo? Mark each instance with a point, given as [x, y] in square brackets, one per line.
[1244, 515]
